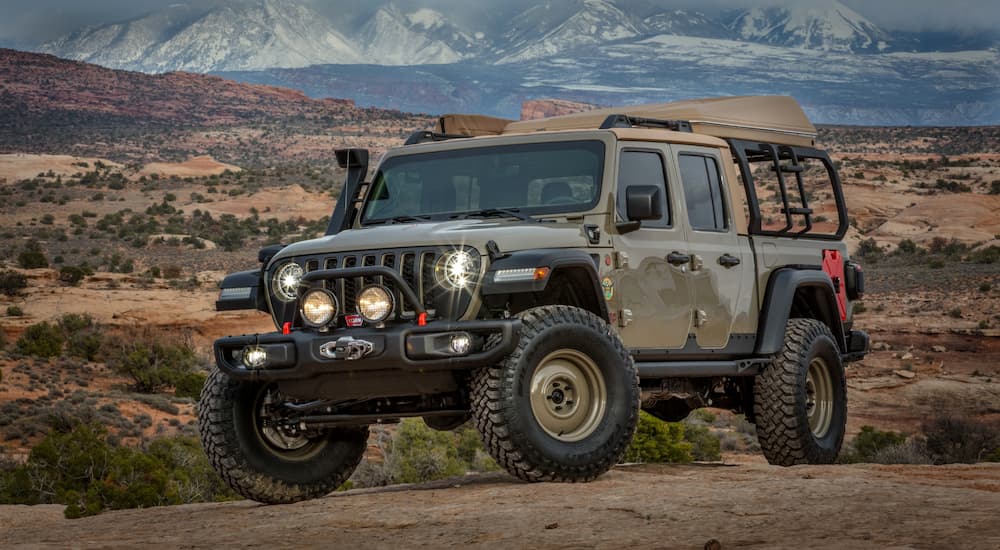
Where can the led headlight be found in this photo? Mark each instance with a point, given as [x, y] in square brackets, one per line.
[254, 357]
[286, 281]
[457, 269]
[319, 307]
[375, 304]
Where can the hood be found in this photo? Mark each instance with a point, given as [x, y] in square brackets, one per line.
[510, 235]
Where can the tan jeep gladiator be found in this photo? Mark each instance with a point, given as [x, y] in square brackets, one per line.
[548, 279]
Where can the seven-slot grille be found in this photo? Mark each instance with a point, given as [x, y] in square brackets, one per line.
[416, 265]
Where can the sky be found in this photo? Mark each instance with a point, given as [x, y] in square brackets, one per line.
[36, 21]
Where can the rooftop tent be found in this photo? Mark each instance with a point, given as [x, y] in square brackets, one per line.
[776, 119]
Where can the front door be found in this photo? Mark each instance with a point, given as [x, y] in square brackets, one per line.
[650, 279]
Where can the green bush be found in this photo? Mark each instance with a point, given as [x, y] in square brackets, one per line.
[189, 384]
[870, 441]
[421, 454]
[71, 274]
[88, 472]
[704, 444]
[15, 311]
[41, 340]
[658, 441]
[32, 257]
[12, 282]
[152, 359]
[962, 440]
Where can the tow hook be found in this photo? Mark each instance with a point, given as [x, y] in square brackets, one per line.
[347, 348]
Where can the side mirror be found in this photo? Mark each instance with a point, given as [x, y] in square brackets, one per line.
[642, 202]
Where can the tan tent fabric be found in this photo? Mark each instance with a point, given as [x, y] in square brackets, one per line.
[777, 119]
[471, 125]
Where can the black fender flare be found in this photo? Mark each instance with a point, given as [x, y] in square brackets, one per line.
[782, 287]
[556, 259]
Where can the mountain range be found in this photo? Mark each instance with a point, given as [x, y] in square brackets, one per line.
[842, 66]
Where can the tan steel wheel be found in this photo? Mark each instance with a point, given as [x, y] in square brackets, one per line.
[819, 397]
[568, 395]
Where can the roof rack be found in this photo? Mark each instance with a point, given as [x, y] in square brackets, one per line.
[625, 121]
[423, 136]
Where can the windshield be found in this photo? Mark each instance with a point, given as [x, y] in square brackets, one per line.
[531, 178]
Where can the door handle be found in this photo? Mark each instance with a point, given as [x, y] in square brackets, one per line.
[676, 258]
[728, 261]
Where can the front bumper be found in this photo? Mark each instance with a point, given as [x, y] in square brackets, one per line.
[405, 348]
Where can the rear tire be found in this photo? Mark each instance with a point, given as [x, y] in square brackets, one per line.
[800, 400]
[263, 464]
[564, 404]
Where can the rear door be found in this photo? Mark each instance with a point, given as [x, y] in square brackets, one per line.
[649, 285]
[721, 268]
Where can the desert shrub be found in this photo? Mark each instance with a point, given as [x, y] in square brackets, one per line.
[152, 359]
[986, 255]
[908, 248]
[15, 311]
[32, 257]
[12, 282]
[961, 440]
[421, 454]
[416, 453]
[912, 451]
[89, 472]
[71, 274]
[658, 441]
[870, 250]
[704, 444]
[870, 441]
[189, 384]
[704, 415]
[41, 340]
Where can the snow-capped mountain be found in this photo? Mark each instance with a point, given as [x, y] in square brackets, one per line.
[545, 30]
[827, 26]
[258, 34]
[686, 23]
[392, 37]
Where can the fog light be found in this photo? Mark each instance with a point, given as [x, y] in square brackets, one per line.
[375, 304]
[461, 343]
[319, 307]
[254, 357]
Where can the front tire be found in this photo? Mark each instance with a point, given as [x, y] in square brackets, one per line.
[564, 404]
[800, 400]
[263, 463]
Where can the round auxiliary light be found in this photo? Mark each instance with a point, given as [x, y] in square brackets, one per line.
[254, 357]
[319, 307]
[286, 281]
[375, 304]
[457, 269]
[461, 343]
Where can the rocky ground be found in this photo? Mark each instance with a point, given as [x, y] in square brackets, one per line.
[738, 505]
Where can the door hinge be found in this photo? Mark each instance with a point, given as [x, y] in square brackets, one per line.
[625, 319]
[621, 259]
[700, 317]
[697, 262]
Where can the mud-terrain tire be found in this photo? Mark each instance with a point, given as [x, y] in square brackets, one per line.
[258, 470]
[566, 357]
[800, 399]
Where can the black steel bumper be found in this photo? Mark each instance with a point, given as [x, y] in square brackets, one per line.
[406, 348]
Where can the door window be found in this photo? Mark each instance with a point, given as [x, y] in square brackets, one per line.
[643, 168]
[703, 193]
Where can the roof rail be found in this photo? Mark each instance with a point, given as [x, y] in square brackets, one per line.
[625, 121]
[423, 136]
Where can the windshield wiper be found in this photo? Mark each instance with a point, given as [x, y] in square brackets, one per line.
[399, 219]
[494, 212]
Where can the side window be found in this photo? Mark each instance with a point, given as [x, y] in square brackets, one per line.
[643, 168]
[703, 192]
